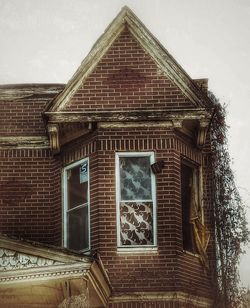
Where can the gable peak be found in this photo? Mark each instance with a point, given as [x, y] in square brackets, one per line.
[127, 19]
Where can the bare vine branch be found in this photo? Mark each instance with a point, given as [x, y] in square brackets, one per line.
[232, 233]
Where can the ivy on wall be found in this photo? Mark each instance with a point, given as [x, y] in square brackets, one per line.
[232, 233]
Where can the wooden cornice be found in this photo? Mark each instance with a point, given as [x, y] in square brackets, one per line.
[24, 142]
[202, 132]
[42, 250]
[29, 92]
[98, 278]
[125, 116]
[64, 127]
[63, 132]
[53, 131]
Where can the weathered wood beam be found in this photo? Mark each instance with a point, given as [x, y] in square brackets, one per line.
[34, 92]
[124, 116]
[143, 124]
[53, 131]
[202, 132]
[24, 142]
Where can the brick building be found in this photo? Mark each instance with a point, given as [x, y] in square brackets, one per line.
[105, 182]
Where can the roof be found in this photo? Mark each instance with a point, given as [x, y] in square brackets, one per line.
[168, 65]
[32, 91]
[43, 250]
[38, 275]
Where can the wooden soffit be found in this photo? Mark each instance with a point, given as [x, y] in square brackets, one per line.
[62, 132]
[124, 116]
[65, 126]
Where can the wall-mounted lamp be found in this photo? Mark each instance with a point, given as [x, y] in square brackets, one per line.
[157, 166]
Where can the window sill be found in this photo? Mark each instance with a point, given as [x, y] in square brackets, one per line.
[191, 253]
[137, 250]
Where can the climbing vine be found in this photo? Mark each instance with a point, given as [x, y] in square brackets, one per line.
[231, 229]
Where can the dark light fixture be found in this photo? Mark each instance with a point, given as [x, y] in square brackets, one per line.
[157, 166]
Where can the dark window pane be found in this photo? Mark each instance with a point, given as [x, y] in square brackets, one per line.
[77, 185]
[187, 180]
[136, 223]
[135, 178]
[78, 236]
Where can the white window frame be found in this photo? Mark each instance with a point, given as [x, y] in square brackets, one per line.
[65, 202]
[153, 188]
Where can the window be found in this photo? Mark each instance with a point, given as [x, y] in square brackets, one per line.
[136, 206]
[76, 206]
[190, 204]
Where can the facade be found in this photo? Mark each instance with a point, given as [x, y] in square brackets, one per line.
[106, 182]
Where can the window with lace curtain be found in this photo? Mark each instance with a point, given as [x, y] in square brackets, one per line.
[136, 206]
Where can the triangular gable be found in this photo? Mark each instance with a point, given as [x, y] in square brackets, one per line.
[17, 254]
[12, 260]
[38, 275]
[127, 79]
[169, 67]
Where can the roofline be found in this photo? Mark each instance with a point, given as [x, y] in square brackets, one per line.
[33, 91]
[88, 64]
[146, 39]
[42, 250]
[30, 85]
[163, 55]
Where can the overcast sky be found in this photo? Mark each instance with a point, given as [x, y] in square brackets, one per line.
[44, 41]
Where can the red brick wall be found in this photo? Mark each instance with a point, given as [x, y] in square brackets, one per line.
[30, 192]
[75, 152]
[127, 79]
[30, 204]
[22, 118]
[170, 269]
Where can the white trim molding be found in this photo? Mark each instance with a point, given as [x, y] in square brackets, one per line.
[74, 270]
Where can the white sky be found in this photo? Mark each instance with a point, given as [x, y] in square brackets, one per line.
[44, 41]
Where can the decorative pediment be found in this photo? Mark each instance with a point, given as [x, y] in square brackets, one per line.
[121, 94]
[20, 254]
[11, 260]
[126, 19]
[37, 275]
